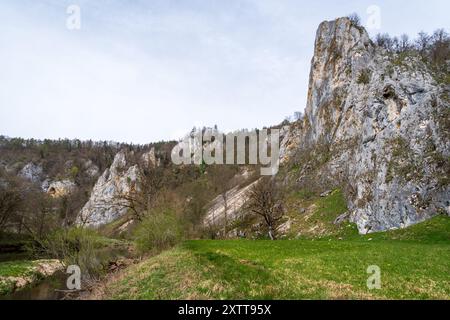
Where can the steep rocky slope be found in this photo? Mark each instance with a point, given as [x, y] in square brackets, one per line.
[379, 122]
[230, 204]
[107, 201]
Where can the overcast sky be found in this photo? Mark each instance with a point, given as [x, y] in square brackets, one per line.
[142, 71]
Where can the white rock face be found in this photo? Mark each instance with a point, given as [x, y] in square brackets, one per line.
[235, 199]
[385, 122]
[60, 188]
[91, 169]
[31, 172]
[105, 204]
[150, 159]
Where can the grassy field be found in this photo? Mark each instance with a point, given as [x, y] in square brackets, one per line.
[319, 215]
[414, 263]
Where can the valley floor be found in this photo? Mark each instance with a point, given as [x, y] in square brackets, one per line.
[295, 269]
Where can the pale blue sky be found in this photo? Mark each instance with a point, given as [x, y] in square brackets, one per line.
[140, 71]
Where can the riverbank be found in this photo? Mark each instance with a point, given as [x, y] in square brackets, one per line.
[23, 278]
[16, 275]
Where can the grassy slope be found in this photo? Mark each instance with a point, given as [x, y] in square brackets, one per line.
[298, 269]
[312, 216]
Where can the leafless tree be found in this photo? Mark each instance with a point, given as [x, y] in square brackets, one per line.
[141, 195]
[434, 49]
[404, 44]
[384, 40]
[396, 44]
[10, 202]
[355, 19]
[423, 42]
[265, 200]
[298, 115]
[440, 52]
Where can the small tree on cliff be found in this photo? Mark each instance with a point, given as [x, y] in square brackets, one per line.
[142, 194]
[355, 19]
[265, 200]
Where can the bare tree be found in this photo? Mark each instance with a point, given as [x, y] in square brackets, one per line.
[142, 193]
[24, 208]
[404, 44]
[10, 202]
[298, 115]
[422, 42]
[440, 52]
[265, 200]
[434, 49]
[396, 44]
[384, 41]
[355, 19]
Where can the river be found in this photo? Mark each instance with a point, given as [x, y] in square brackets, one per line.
[54, 287]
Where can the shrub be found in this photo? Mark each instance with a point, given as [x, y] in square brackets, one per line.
[355, 19]
[158, 230]
[74, 171]
[74, 246]
[364, 76]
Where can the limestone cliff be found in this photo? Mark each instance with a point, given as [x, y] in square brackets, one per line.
[108, 200]
[105, 203]
[383, 122]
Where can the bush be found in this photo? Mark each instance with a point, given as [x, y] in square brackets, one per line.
[364, 76]
[158, 230]
[74, 246]
[355, 19]
[74, 171]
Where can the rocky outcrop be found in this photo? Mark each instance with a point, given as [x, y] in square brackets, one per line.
[383, 121]
[91, 169]
[32, 172]
[230, 205]
[30, 275]
[106, 202]
[60, 188]
[149, 158]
